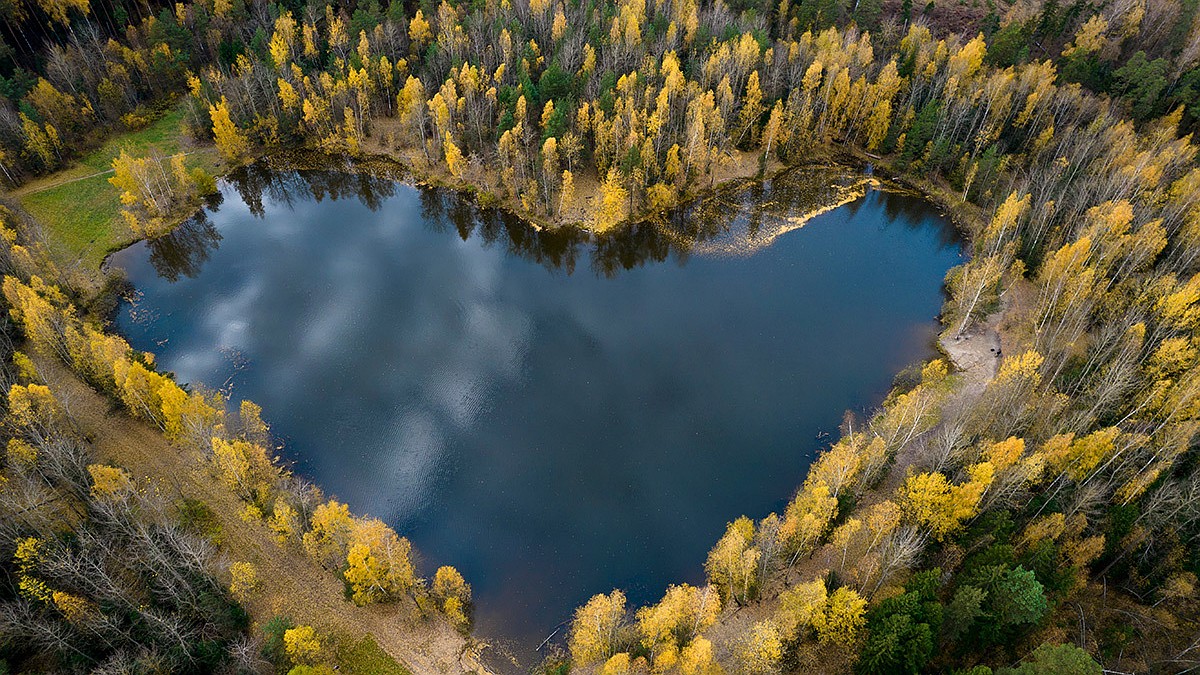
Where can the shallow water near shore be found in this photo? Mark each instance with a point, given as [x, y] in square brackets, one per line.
[555, 413]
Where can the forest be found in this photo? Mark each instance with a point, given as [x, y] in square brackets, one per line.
[109, 573]
[1041, 520]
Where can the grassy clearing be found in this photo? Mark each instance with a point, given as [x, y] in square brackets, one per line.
[81, 210]
[366, 657]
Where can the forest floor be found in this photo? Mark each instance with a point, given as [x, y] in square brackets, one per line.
[976, 353]
[292, 585]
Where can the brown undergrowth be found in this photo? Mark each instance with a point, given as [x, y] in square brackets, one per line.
[293, 585]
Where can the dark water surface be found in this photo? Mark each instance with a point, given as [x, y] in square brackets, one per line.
[554, 414]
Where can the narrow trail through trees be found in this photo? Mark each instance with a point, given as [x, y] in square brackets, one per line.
[34, 187]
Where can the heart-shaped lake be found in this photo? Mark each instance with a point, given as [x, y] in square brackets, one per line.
[554, 413]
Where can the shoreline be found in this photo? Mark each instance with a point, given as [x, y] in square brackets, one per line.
[393, 168]
[875, 175]
[862, 184]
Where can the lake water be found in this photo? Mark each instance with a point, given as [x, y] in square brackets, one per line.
[553, 413]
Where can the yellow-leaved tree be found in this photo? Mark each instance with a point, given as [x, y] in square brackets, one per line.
[596, 629]
[109, 483]
[697, 659]
[231, 141]
[566, 191]
[157, 193]
[613, 202]
[801, 608]
[329, 535]
[453, 595]
[244, 580]
[378, 563]
[617, 664]
[32, 405]
[930, 501]
[455, 163]
[20, 455]
[245, 468]
[669, 626]
[419, 31]
[761, 649]
[843, 618]
[302, 644]
[808, 516]
[733, 564]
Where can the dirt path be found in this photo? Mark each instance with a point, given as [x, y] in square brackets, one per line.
[976, 354]
[43, 188]
[34, 188]
[292, 584]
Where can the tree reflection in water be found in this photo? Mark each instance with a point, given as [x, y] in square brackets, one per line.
[185, 249]
[737, 219]
[571, 434]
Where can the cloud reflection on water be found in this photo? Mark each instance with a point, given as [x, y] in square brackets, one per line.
[554, 414]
